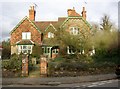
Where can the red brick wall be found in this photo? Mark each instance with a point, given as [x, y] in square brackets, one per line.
[26, 26]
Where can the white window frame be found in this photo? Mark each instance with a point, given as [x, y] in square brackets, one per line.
[50, 35]
[26, 35]
[46, 50]
[68, 50]
[22, 50]
[74, 30]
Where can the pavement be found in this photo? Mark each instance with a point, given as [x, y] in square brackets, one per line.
[56, 80]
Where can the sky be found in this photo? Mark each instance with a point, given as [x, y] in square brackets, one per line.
[12, 12]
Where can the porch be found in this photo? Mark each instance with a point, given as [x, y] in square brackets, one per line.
[50, 51]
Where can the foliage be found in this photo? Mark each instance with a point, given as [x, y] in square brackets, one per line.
[15, 63]
[106, 46]
[76, 42]
[31, 66]
[37, 51]
[66, 67]
[106, 24]
[6, 51]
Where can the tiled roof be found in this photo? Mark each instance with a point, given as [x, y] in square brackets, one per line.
[42, 25]
[25, 42]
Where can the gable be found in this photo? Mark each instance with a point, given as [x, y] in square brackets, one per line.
[78, 21]
[24, 19]
[50, 28]
[43, 25]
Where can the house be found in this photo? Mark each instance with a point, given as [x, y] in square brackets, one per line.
[29, 32]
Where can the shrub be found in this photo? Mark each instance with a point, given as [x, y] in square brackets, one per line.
[15, 62]
[37, 51]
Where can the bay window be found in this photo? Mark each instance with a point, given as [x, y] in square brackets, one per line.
[24, 49]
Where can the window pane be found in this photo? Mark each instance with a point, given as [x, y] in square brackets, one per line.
[53, 50]
[29, 51]
[28, 35]
[74, 30]
[50, 35]
[29, 47]
[24, 51]
[23, 35]
[48, 50]
[24, 47]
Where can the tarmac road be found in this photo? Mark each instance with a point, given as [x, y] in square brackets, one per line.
[105, 83]
[105, 80]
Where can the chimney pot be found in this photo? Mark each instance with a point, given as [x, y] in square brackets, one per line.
[84, 13]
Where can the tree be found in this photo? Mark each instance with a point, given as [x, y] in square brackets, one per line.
[95, 28]
[106, 42]
[106, 24]
[77, 43]
[6, 51]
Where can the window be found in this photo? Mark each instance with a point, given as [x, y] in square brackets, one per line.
[26, 35]
[50, 35]
[24, 49]
[74, 30]
[70, 50]
[46, 49]
[55, 51]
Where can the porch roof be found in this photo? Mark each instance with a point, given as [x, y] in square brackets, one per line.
[25, 42]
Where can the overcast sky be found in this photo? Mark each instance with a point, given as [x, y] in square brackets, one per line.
[12, 12]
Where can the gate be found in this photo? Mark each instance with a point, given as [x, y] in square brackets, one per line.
[42, 72]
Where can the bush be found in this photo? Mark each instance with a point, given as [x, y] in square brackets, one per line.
[6, 51]
[37, 51]
[15, 62]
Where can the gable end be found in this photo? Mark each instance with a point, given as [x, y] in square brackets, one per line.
[25, 18]
[76, 18]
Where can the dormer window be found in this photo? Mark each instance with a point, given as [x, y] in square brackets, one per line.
[74, 30]
[26, 35]
[50, 35]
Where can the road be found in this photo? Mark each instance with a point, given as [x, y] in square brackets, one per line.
[106, 83]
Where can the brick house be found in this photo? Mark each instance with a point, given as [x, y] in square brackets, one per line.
[29, 32]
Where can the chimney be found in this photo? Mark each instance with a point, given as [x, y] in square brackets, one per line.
[72, 12]
[32, 13]
[84, 13]
[69, 12]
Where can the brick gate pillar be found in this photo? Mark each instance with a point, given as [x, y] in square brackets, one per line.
[43, 66]
[25, 65]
